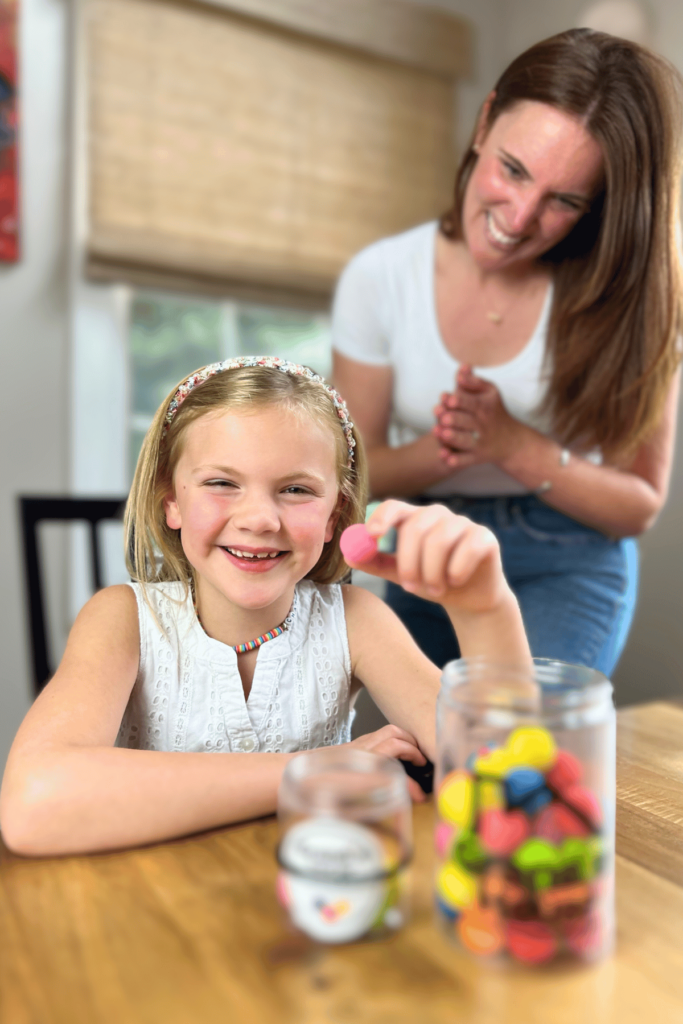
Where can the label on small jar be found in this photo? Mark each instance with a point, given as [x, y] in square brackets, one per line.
[332, 882]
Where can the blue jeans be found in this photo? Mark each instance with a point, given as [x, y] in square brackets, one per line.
[576, 587]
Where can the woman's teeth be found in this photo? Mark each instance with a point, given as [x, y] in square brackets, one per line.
[498, 235]
[248, 554]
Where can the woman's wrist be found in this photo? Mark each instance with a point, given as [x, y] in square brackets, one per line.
[517, 449]
[531, 458]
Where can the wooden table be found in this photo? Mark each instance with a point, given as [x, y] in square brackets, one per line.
[189, 932]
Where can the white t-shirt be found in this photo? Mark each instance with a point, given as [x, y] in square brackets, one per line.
[384, 314]
[188, 695]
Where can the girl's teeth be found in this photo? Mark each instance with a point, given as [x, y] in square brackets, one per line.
[246, 554]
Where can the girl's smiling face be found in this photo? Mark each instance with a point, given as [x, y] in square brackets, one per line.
[255, 496]
[536, 175]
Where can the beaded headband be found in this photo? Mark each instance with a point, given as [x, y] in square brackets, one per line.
[271, 363]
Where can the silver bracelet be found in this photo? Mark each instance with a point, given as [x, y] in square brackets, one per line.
[563, 460]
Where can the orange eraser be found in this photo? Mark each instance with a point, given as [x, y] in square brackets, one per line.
[357, 546]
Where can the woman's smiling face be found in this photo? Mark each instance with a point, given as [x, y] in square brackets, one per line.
[255, 496]
[537, 172]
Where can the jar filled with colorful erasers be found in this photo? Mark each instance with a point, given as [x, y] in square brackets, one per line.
[525, 807]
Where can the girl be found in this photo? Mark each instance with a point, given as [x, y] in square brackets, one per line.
[234, 637]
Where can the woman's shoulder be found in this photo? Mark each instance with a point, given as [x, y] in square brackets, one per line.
[374, 289]
[394, 251]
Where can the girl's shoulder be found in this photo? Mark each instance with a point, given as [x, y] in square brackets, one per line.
[316, 599]
[369, 620]
[105, 632]
[119, 599]
[359, 602]
[162, 598]
[163, 608]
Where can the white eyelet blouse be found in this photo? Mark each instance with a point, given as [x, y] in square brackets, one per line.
[188, 694]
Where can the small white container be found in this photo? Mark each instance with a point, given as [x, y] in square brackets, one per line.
[345, 826]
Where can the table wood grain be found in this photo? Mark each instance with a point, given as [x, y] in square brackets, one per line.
[190, 931]
[650, 787]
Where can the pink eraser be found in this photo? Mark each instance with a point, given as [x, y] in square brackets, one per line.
[357, 545]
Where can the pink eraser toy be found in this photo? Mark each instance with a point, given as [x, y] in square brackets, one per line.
[357, 545]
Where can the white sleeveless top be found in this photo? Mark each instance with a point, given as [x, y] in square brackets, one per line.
[384, 314]
[188, 694]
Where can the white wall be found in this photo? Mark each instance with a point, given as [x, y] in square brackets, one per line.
[484, 18]
[33, 331]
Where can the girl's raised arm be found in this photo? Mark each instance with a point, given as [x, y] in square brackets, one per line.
[67, 789]
[444, 558]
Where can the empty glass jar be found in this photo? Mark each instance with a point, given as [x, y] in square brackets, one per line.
[345, 828]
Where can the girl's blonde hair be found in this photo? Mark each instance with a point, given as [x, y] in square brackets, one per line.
[154, 553]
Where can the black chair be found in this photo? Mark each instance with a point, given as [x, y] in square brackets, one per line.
[35, 510]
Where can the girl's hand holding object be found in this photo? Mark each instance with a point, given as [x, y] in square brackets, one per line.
[357, 546]
[439, 556]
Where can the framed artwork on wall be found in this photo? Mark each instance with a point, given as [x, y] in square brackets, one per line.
[9, 183]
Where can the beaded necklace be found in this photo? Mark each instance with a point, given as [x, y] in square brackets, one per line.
[251, 645]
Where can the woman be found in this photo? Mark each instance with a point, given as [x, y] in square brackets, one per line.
[556, 273]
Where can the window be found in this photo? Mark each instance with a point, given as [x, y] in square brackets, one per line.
[170, 336]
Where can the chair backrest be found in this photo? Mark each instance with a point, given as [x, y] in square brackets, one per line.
[35, 510]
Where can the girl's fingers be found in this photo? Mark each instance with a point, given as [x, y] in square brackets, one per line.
[394, 732]
[400, 750]
[478, 546]
[411, 539]
[392, 741]
[438, 550]
[415, 792]
[382, 564]
[389, 513]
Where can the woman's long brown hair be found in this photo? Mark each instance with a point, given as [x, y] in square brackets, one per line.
[618, 309]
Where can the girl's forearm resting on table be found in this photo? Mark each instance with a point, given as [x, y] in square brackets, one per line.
[84, 799]
[615, 501]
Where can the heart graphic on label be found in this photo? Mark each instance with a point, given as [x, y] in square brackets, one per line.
[342, 906]
[333, 911]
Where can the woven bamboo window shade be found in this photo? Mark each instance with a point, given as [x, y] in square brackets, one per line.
[229, 153]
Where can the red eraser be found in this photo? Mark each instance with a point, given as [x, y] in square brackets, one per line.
[357, 545]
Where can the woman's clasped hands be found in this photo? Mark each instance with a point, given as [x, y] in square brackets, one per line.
[473, 425]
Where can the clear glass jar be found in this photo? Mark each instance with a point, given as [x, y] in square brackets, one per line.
[525, 784]
[345, 824]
